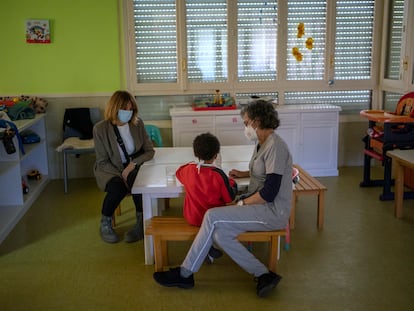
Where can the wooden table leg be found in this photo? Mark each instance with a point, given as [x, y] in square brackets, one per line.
[321, 207]
[399, 189]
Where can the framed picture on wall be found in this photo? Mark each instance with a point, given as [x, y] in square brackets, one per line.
[37, 31]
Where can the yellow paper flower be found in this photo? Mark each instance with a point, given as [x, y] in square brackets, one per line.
[295, 50]
[309, 43]
[301, 30]
[297, 54]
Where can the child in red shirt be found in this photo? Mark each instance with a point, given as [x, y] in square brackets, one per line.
[206, 185]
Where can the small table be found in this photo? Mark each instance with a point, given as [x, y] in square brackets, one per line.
[401, 159]
[153, 184]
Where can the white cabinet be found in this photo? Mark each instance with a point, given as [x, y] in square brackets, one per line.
[319, 143]
[189, 127]
[13, 167]
[227, 125]
[310, 131]
[229, 130]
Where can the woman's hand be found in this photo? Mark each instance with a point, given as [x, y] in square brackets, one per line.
[238, 174]
[130, 167]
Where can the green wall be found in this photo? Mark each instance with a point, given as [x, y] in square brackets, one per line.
[83, 57]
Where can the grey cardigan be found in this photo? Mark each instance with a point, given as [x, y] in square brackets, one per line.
[108, 159]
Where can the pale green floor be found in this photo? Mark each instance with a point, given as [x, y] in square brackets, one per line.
[362, 260]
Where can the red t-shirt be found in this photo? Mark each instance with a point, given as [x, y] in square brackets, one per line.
[204, 190]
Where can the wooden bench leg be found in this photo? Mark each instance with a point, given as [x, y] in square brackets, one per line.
[293, 212]
[321, 206]
[273, 256]
[158, 253]
[164, 251]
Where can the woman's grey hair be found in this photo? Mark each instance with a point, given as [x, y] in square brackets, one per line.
[263, 112]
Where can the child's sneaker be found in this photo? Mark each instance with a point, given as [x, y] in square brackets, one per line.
[213, 253]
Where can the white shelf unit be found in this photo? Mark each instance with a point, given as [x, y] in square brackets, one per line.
[311, 132]
[13, 167]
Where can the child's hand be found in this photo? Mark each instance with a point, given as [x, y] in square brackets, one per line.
[238, 174]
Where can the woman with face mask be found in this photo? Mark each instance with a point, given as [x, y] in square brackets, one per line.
[266, 205]
[121, 146]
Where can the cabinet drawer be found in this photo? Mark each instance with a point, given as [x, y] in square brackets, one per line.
[229, 121]
[315, 116]
[188, 122]
[290, 118]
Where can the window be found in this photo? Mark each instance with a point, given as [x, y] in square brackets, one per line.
[312, 15]
[247, 47]
[207, 40]
[155, 41]
[391, 101]
[353, 43]
[398, 50]
[256, 40]
[395, 40]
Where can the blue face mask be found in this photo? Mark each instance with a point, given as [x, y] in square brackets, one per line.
[124, 115]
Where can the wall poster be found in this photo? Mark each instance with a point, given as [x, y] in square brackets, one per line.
[37, 31]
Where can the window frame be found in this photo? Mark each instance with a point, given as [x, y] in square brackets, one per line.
[280, 86]
[406, 82]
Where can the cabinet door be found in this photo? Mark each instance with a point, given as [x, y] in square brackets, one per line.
[230, 131]
[289, 131]
[319, 143]
[185, 129]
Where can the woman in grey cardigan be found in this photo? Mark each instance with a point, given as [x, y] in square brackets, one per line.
[121, 146]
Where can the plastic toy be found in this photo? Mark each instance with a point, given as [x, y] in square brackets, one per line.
[34, 175]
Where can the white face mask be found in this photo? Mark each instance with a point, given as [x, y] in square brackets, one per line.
[124, 115]
[250, 133]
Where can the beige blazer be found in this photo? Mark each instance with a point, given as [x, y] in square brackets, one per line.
[108, 158]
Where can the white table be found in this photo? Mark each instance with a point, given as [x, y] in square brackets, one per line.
[181, 155]
[400, 159]
[152, 181]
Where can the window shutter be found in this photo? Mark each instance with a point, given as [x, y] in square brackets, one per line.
[353, 43]
[350, 101]
[155, 40]
[313, 16]
[257, 35]
[395, 40]
[207, 40]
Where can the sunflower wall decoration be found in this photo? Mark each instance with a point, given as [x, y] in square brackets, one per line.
[308, 43]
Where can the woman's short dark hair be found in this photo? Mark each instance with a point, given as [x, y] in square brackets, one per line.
[263, 112]
[206, 146]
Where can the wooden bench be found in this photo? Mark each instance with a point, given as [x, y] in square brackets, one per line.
[308, 185]
[164, 229]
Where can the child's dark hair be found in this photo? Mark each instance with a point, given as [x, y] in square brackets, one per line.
[206, 146]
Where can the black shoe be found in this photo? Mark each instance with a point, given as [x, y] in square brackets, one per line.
[213, 253]
[266, 282]
[173, 278]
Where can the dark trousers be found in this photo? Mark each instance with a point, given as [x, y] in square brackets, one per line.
[116, 190]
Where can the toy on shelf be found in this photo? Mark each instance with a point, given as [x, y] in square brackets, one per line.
[34, 175]
[25, 188]
[216, 102]
[387, 131]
